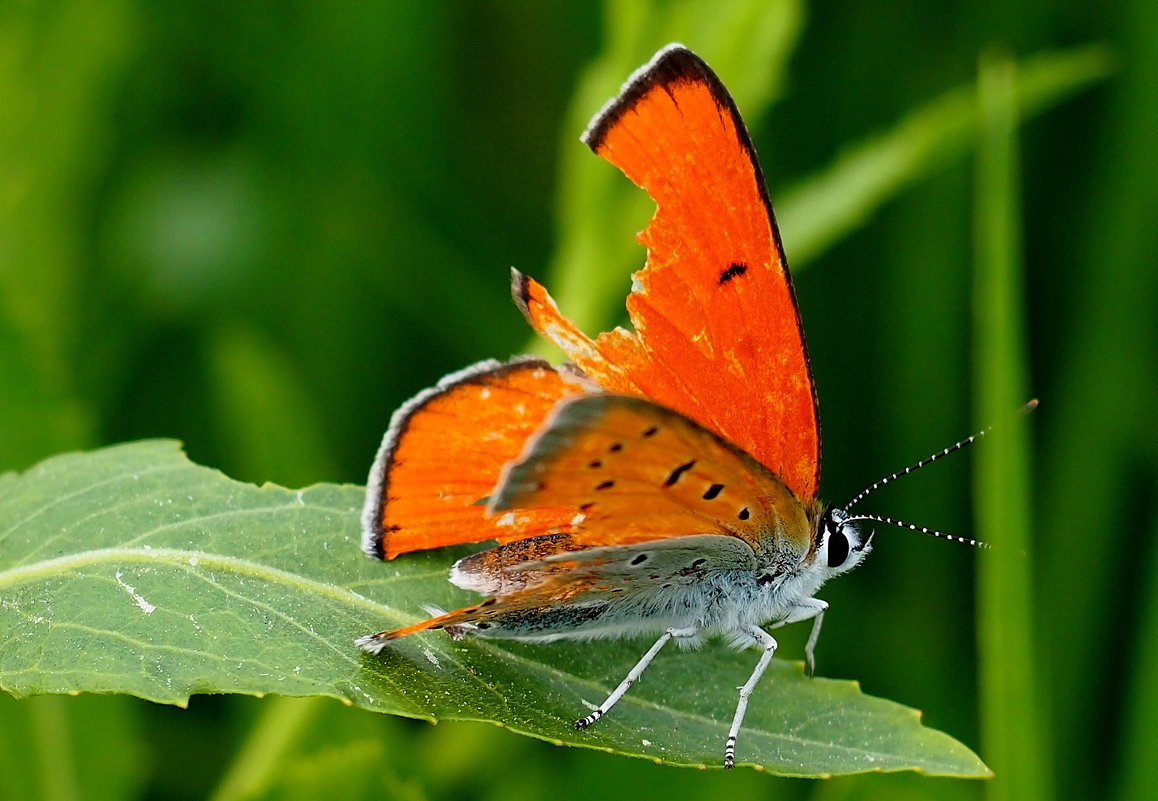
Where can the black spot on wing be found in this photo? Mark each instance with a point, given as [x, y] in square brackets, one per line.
[735, 270]
[678, 472]
[713, 491]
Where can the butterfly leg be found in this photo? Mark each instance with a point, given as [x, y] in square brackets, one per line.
[810, 646]
[633, 676]
[808, 608]
[768, 642]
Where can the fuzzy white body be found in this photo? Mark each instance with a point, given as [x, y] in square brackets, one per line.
[707, 586]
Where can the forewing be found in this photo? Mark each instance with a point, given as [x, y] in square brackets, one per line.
[631, 471]
[717, 332]
[443, 454]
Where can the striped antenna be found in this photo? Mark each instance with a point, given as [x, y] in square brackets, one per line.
[876, 485]
[932, 532]
[1026, 409]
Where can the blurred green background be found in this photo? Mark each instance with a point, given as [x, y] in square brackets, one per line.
[259, 227]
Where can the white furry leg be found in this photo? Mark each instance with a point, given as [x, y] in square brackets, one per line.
[632, 676]
[810, 646]
[769, 644]
[808, 608]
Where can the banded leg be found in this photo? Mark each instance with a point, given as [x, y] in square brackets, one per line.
[632, 676]
[769, 644]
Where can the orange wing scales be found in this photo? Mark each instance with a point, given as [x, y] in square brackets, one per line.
[443, 454]
[632, 471]
[717, 332]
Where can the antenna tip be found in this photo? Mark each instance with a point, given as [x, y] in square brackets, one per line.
[1029, 407]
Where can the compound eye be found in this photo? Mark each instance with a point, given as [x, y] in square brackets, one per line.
[837, 548]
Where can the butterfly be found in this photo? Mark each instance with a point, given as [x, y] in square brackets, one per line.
[662, 482]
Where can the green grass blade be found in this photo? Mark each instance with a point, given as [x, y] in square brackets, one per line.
[826, 207]
[349, 771]
[55, 748]
[600, 210]
[1014, 734]
[37, 416]
[264, 411]
[1138, 771]
[56, 761]
[268, 749]
[309, 748]
[1097, 436]
[54, 130]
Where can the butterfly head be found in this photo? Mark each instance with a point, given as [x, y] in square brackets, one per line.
[842, 545]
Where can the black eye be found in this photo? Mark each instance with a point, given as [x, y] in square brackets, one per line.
[837, 548]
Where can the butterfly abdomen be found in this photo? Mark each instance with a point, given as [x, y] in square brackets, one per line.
[490, 572]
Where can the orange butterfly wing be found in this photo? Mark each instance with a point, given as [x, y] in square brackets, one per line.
[717, 332]
[638, 484]
[443, 453]
[631, 472]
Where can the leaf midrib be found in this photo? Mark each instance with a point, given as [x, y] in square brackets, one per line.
[180, 557]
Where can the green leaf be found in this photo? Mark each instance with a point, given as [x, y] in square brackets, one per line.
[131, 570]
